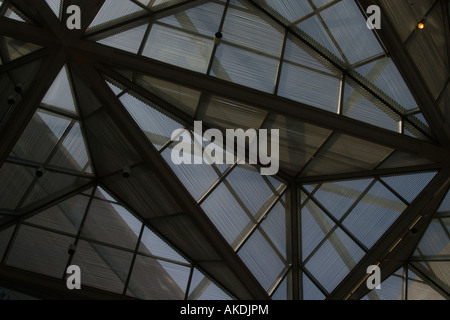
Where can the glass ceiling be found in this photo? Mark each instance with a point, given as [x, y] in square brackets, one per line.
[127, 232]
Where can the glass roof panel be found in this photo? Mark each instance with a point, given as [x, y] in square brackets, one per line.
[226, 213]
[40, 137]
[409, 186]
[298, 141]
[183, 98]
[5, 236]
[334, 260]
[343, 153]
[13, 49]
[40, 251]
[291, 10]
[310, 87]
[282, 291]
[153, 279]
[315, 29]
[60, 93]
[274, 225]
[157, 126]
[310, 290]
[180, 48]
[338, 196]
[262, 261]
[72, 153]
[155, 246]
[296, 52]
[250, 29]
[202, 288]
[391, 289]
[113, 10]
[55, 5]
[66, 216]
[384, 74]
[315, 225]
[102, 267]
[202, 19]
[112, 224]
[420, 289]
[362, 106]
[15, 181]
[374, 214]
[356, 41]
[129, 40]
[245, 67]
[251, 188]
[197, 178]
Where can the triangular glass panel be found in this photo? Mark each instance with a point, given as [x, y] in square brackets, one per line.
[157, 126]
[55, 5]
[112, 224]
[72, 152]
[409, 186]
[13, 49]
[153, 245]
[13, 13]
[60, 93]
[65, 216]
[202, 288]
[113, 10]
[129, 40]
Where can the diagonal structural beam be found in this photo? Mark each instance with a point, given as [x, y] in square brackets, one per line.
[25, 32]
[266, 101]
[368, 173]
[22, 113]
[243, 284]
[411, 74]
[398, 236]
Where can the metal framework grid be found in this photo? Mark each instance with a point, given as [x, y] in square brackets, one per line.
[112, 79]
